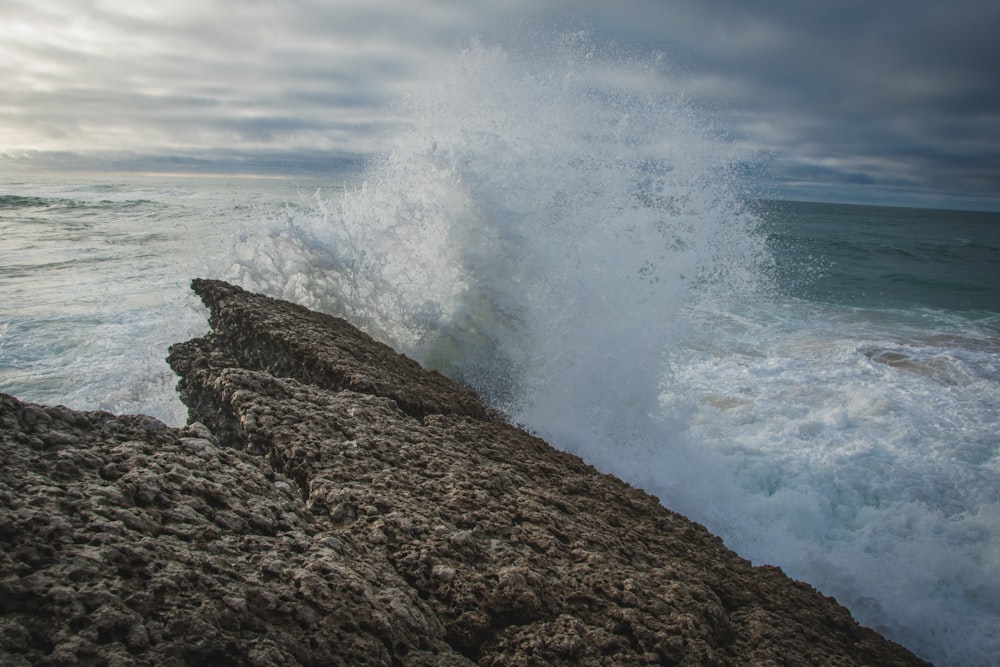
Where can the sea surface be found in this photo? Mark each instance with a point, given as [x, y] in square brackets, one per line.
[818, 384]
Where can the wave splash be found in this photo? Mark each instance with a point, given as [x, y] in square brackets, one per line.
[558, 228]
[534, 230]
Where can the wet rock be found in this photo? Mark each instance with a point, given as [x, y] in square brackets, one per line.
[333, 503]
[315, 348]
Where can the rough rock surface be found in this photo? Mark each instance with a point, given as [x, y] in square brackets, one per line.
[343, 506]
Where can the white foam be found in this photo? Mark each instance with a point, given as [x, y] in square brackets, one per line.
[875, 482]
[96, 286]
[564, 233]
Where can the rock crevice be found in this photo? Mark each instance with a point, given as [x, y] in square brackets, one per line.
[341, 505]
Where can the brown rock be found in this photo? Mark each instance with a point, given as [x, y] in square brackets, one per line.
[377, 514]
[167, 560]
[313, 348]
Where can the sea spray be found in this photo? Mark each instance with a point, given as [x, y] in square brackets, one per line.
[557, 227]
[533, 231]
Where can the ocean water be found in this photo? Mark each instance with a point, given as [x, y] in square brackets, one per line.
[94, 274]
[818, 384]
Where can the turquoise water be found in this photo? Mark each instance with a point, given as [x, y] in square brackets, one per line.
[887, 257]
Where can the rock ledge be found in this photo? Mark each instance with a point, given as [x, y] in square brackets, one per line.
[332, 503]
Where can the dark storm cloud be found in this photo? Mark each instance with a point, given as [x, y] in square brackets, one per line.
[893, 94]
[841, 99]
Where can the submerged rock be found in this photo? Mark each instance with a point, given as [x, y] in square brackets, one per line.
[334, 503]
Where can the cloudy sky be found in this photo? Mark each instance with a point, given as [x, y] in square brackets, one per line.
[896, 101]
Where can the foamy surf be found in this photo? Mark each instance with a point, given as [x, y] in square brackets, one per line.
[567, 235]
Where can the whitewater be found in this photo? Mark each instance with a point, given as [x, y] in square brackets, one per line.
[561, 230]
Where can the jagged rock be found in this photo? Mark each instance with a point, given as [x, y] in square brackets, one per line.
[313, 348]
[142, 544]
[342, 506]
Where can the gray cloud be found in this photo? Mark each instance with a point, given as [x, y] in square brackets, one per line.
[847, 99]
[894, 94]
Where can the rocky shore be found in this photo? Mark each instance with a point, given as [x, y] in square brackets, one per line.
[332, 503]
